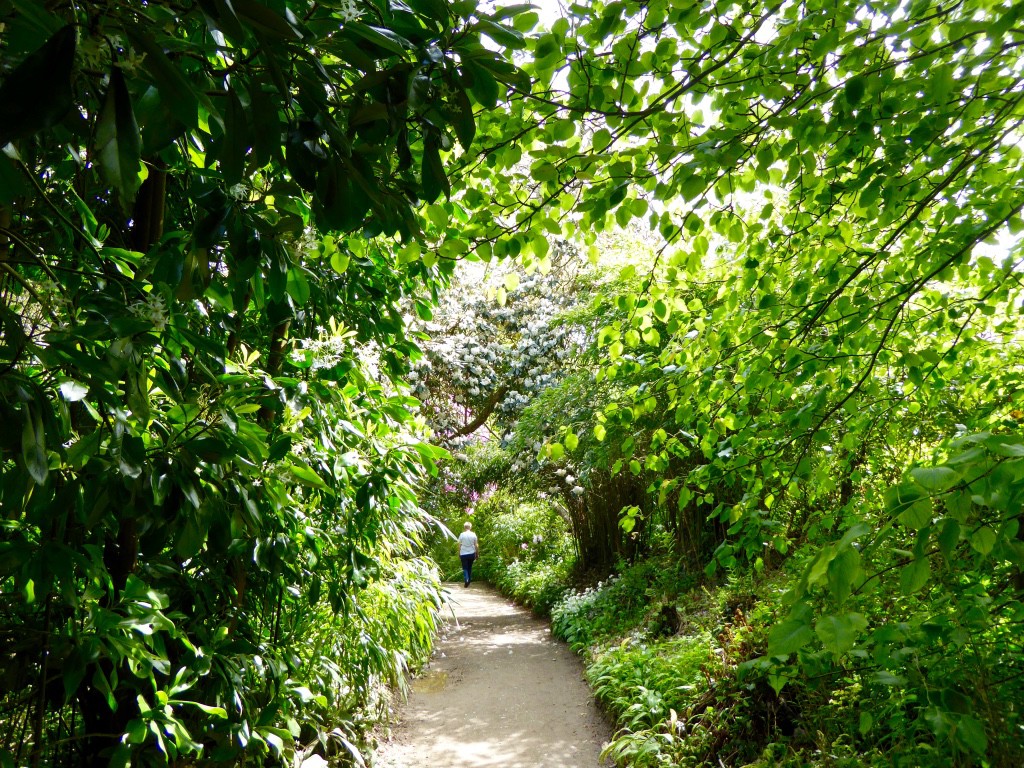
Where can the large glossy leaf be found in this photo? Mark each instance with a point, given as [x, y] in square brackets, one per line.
[33, 447]
[118, 143]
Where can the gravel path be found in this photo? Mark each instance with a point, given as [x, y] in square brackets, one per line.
[500, 692]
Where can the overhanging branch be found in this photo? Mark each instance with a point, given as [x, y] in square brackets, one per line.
[492, 402]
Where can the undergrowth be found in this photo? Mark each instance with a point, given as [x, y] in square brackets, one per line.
[678, 665]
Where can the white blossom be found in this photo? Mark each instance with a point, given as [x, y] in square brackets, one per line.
[348, 10]
[152, 309]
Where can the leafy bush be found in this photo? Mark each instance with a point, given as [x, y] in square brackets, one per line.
[613, 607]
[677, 700]
[527, 551]
[512, 530]
[535, 584]
[525, 547]
[643, 683]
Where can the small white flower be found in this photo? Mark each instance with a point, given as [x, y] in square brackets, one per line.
[578, 491]
[349, 11]
[152, 309]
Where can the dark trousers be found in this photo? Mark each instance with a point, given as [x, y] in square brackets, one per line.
[467, 567]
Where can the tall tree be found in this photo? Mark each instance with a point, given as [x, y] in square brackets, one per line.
[205, 459]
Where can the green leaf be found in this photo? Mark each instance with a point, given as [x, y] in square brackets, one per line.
[33, 447]
[225, 18]
[788, 637]
[907, 502]
[949, 537]
[218, 712]
[385, 39]
[235, 142]
[307, 476]
[661, 310]
[844, 572]
[865, 721]
[438, 216]
[12, 183]
[131, 459]
[118, 143]
[983, 540]
[502, 34]
[971, 733]
[174, 88]
[1005, 445]
[854, 89]
[914, 576]
[35, 16]
[340, 261]
[121, 756]
[563, 130]
[935, 478]
[432, 9]
[434, 179]
[571, 441]
[839, 633]
[298, 286]
[482, 85]
[190, 540]
[267, 21]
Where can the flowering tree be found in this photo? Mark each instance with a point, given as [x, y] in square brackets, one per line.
[498, 340]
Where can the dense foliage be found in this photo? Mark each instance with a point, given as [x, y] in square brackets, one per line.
[819, 371]
[219, 218]
[208, 467]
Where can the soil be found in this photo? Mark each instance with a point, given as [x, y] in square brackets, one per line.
[499, 692]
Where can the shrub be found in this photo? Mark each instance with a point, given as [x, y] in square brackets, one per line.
[623, 602]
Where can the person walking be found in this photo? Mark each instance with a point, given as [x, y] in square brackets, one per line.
[469, 549]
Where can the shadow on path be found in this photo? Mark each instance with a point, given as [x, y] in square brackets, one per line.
[499, 692]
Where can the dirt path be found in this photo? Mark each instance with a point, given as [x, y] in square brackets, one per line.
[500, 692]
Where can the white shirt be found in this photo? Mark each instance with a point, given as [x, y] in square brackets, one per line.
[468, 543]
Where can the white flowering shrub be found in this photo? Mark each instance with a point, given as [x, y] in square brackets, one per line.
[498, 341]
